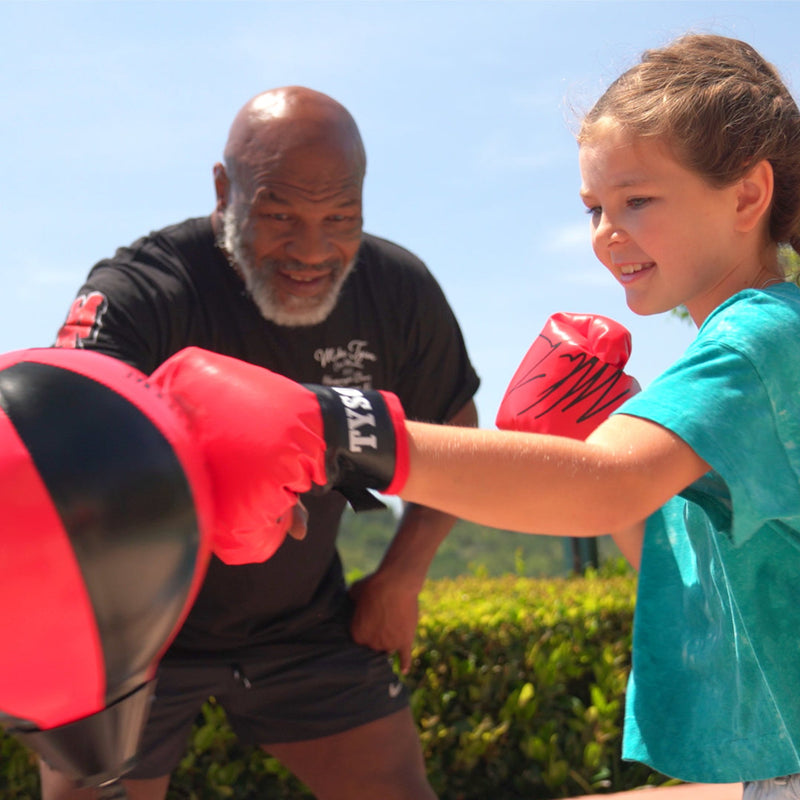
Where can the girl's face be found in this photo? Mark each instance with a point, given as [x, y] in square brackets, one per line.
[664, 233]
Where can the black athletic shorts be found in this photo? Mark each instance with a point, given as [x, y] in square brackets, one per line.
[291, 692]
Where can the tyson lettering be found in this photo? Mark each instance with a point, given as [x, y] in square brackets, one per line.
[354, 400]
[365, 441]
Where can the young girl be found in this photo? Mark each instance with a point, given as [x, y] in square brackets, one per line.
[690, 167]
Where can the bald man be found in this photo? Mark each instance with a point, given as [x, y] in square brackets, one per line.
[282, 275]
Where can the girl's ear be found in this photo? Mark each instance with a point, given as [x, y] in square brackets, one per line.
[754, 196]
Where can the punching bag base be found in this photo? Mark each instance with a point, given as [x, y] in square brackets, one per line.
[98, 749]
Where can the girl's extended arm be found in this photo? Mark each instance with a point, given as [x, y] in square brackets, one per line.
[527, 482]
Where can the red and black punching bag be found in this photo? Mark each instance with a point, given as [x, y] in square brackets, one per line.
[104, 508]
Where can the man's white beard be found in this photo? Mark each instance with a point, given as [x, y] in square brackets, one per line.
[295, 311]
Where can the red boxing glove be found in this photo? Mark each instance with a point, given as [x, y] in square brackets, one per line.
[267, 439]
[571, 378]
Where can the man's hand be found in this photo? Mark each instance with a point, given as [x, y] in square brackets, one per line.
[386, 607]
[385, 615]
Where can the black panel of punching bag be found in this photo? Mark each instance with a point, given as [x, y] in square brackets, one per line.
[124, 501]
[101, 542]
[98, 749]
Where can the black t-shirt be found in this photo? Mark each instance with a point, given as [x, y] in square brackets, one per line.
[391, 328]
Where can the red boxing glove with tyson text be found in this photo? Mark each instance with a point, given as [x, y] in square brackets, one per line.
[267, 439]
[571, 378]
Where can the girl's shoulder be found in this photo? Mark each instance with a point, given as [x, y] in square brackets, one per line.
[755, 318]
[751, 339]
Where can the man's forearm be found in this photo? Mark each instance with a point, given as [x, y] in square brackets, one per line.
[422, 529]
[419, 534]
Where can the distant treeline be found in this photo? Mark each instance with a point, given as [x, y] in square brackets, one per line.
[471, 549]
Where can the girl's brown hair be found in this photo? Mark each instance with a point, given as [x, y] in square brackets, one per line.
[721, 108]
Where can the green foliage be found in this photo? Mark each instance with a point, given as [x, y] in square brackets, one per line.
[790, 261]
[468, 550]
[19, 777]
[517, 686]
[217, 766]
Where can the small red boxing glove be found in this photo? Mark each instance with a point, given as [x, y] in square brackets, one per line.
[571, 378]
[267, 439]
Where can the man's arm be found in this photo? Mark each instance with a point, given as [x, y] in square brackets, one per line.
[386, 608]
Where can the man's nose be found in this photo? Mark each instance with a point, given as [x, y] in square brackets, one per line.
[310, 244]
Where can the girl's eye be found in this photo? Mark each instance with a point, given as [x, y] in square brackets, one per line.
[594, 211]
[638, 202]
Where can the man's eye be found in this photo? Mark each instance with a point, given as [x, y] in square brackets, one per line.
[275, 216]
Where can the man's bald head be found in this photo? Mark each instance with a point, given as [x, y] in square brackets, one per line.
[289, 202]
[281, 123]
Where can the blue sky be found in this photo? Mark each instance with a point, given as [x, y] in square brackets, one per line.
[114, 113]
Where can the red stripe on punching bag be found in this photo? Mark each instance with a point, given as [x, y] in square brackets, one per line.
[51, 665]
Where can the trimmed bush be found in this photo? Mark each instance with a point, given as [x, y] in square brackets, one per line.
[517, 687]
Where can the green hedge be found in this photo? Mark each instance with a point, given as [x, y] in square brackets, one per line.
[517, 687]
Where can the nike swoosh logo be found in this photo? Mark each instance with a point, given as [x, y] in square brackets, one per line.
[395, 689]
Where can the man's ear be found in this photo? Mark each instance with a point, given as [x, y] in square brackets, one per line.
[222, 186]
[754, 196]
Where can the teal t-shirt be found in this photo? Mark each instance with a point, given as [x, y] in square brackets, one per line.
[714, 694]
